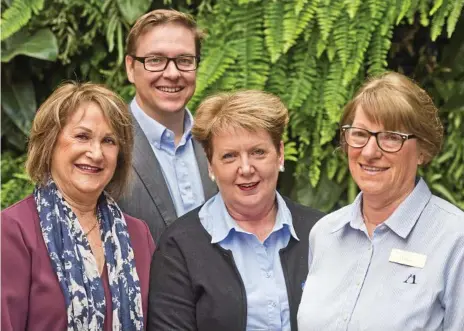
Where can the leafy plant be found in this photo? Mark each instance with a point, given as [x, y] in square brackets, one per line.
[312, 53]
[15, 183]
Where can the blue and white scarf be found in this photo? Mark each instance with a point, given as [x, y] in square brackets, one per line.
[76, 267]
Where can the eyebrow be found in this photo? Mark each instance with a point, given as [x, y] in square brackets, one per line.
[80, 127]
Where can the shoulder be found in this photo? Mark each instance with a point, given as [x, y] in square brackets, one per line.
[450, 217]
[303, 217]
[139, 231]
[185, 230]
[332, 221]
[299, 210]
[21, 212]
[20, 223]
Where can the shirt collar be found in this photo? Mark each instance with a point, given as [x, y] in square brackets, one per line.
[157, 133]
[403, 218]
[219, 224]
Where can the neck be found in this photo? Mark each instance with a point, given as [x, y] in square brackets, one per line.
[376, 211]
[260, 224]
[85, 210]
[173, 121]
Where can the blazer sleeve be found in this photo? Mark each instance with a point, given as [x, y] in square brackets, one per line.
[16, 275]
[171, 300]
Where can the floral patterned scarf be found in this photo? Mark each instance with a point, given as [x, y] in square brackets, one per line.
[76, 267]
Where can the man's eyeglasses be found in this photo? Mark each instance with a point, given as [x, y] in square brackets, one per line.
[160, 63]
[388, 141]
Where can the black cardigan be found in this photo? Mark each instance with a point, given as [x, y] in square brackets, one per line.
[195, 285]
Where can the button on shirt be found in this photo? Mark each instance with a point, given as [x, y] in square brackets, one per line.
[352, 286]
[258, 263]
[178, 163]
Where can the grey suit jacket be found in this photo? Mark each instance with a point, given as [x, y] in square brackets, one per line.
[148, 197]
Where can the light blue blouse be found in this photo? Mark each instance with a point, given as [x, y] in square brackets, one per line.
[352, 284]
[257, 262]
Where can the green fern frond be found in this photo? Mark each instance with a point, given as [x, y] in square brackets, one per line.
[248, 42]
[378, 51]
[389, 19]
[302, 74]
[438, 20]
[352, 7]
[413, 9]
[18, 15]
[273, 24]
[299, 5]
[334, 96]
[424, 12]
[212, 67]
[404, 6]
[327, 15]
[294, 24]
[277, 82]
[455, 13]
[341, 37]
[316, 153]
[436, 6]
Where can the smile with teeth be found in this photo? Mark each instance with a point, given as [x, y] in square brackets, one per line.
[88, 168]
[168, 89]
[372, 169]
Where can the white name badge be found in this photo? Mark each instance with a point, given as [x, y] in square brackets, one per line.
[408, 258]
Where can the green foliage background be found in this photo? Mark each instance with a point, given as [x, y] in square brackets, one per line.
[312, 53]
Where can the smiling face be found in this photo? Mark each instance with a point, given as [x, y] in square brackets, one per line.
[85, 154]
[162, 93]
[385, 176]
[246, 166]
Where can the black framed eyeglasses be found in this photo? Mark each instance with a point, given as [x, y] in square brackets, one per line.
[388, 141]
[157, 63]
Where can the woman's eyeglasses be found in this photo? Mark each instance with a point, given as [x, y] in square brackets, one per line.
[388, 141]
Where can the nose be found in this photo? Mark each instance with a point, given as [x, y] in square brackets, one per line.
[95, 152]
[371, 150]
[245, 167]
[171, 71]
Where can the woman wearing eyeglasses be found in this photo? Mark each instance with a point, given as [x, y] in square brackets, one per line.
[394, 258]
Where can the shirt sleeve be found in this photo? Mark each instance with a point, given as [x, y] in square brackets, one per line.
[16, 274]
[453, 300]
[171, 300]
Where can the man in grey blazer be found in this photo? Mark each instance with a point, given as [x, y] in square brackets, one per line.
[170, 173]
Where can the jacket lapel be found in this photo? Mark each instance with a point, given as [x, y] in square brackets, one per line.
[148, 168]
[209, 187]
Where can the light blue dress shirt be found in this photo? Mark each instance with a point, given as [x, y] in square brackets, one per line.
[178, 164]
[353, 286]
[258, 263]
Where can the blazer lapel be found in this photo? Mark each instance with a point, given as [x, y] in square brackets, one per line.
[209, 187]
[148, 168]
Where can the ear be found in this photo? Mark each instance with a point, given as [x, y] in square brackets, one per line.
[130, 68]
[281, 153]
[420, 159]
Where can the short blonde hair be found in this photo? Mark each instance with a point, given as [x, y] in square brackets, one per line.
[250, 110]
[160, 17]
[52, 117]
[399, 104]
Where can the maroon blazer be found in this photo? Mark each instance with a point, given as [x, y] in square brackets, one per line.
[32, 298]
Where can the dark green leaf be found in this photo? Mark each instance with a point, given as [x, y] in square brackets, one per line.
[41, 45]
[133, 9]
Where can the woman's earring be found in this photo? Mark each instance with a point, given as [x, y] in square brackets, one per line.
[281, 168]
[211, 176]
